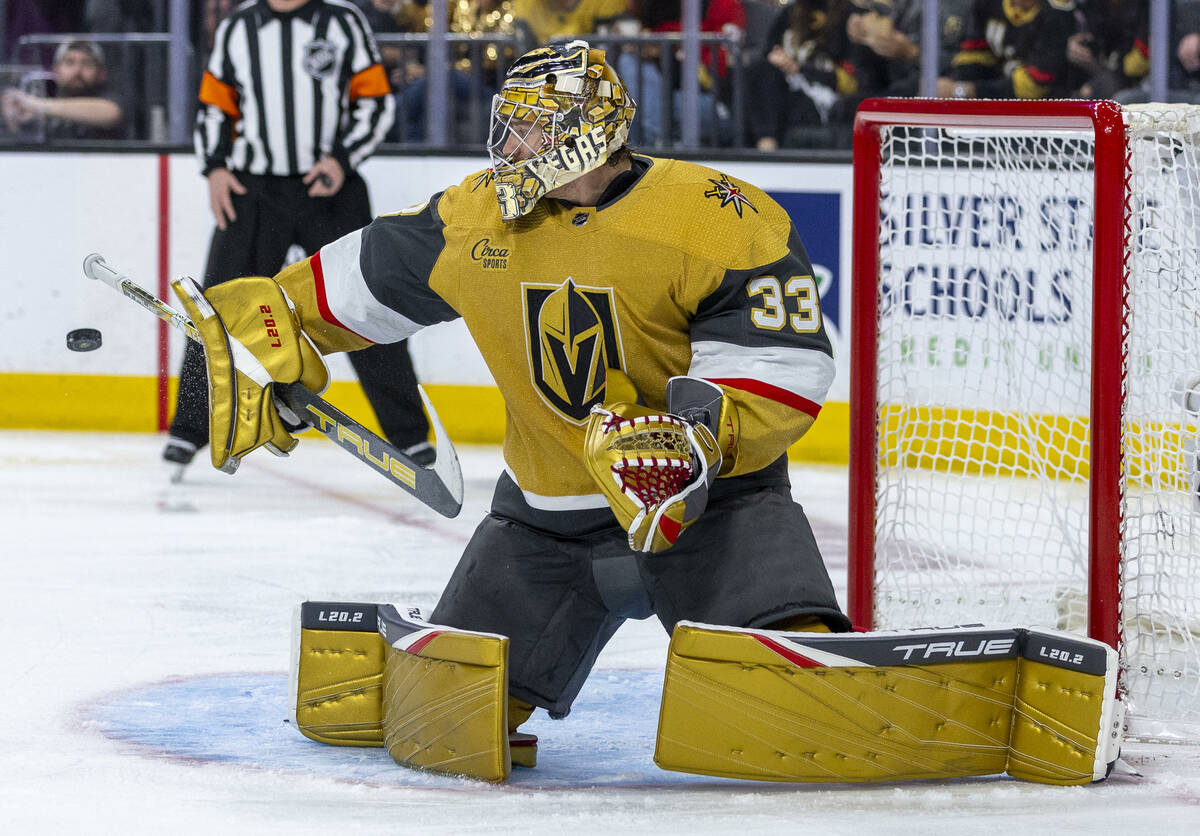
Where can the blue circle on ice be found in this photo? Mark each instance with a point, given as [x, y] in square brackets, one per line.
[241, 719]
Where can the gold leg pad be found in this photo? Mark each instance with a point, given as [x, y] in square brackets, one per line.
[1067, 723]
[445, 700]
[733, 707]
[775, 706]
[339, 680]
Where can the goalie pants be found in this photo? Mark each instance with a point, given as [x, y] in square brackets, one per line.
[749, 561]
[275, 213]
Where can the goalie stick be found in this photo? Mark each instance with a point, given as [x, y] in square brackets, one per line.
[439, 487]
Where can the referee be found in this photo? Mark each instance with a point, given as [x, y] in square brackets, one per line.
[294, 99]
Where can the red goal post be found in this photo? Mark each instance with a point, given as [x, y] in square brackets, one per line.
[1051, 191]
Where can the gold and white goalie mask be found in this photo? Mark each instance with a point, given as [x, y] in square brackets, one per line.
[561, 112]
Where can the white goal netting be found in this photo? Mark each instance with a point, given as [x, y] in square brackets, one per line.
[984, 378]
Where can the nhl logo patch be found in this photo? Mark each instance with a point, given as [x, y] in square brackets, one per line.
[320, 58]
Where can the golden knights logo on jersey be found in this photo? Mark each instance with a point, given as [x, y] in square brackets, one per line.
[572, 337]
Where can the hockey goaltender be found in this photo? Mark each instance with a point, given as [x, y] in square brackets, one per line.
[655, 329]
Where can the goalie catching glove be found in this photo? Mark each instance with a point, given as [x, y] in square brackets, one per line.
[252, 340]
[655, 468]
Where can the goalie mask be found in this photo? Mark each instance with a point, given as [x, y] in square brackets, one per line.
[561, 112]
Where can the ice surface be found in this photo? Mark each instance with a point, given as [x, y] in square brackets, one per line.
[146, 639]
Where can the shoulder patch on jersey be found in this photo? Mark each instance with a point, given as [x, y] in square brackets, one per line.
[469, 203]
[483, 178]
[730, 194]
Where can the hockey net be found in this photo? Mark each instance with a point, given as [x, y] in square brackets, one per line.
[1026, 380]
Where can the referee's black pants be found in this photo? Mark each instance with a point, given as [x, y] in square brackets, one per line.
[274, 214]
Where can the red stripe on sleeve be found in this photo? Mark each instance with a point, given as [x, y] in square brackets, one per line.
[322, 298]
[766, 390]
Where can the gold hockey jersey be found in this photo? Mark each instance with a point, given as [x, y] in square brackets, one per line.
[688, 272]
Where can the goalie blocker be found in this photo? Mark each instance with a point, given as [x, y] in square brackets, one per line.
[1040, 705]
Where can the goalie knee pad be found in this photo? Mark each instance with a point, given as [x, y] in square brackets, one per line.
[778, 706]
[436, 697]
[445, 698]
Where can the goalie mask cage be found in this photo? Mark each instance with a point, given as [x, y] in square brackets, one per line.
[1025, 393]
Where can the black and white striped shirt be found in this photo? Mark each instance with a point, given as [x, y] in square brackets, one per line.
[283, 89]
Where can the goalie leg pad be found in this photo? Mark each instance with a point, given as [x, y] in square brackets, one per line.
[1067, 721]
[337, 674]
[445, 698]
[338, 660]
[777, 706]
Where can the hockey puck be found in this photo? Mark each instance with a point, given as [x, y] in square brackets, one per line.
[84, 339]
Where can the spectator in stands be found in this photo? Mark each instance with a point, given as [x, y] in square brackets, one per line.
[472, 82]
[796, 83]
[646, 82]
[884, 35]
[541, 21]
[1184, 77]
[389, 17]
[1110, 52]
[887, 37]
[138, 70]
[80, 108]
[1012, 49]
